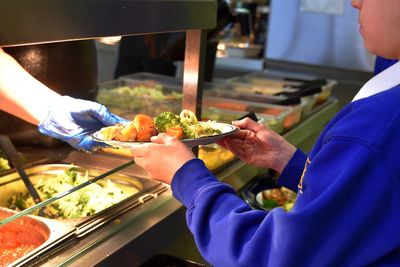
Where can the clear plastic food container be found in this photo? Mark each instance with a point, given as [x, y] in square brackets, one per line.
[282, 79]
[266, 82]
[326, 91]
[308, 104]
[167, 81]
[226, 92]
[291, 116]
[129, 97]
[267, 88]
[273, 78]
[222, 115]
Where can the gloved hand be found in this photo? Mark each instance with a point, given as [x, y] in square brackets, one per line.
[74, 120]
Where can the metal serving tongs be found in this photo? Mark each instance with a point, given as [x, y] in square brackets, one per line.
[63, 194]
[12, 155]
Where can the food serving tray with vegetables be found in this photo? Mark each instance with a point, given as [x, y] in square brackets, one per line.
[184, 126]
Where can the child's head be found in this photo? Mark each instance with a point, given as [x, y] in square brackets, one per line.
[380, 26]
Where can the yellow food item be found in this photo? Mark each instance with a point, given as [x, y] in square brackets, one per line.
[140, 129]
[215, 156]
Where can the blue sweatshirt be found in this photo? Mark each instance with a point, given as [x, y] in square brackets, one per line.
[382, 64]
[348, 208]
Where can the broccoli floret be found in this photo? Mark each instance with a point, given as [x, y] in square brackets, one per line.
[166, 120]
[189, 131]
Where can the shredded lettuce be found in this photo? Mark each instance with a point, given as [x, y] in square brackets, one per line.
[84, 202]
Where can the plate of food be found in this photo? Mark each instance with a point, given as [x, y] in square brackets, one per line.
[184, 126]
[276, 197]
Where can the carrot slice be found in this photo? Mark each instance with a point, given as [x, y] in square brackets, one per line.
[175, 132]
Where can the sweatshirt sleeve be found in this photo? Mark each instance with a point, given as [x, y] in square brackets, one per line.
[347, 193]
[291, 174]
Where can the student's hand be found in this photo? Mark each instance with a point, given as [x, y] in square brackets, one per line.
[258, 145]
[163, 157]
[73, 120]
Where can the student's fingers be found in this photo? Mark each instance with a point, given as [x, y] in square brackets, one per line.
[162, 138]
[249, 124]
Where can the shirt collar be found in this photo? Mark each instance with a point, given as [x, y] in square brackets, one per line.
[385, 80]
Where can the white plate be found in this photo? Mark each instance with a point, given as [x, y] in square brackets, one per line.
[226, 129]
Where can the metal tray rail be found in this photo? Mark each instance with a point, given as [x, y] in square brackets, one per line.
[68, 229]
[95, 221]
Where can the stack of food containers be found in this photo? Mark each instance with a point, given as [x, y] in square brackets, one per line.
[275, 116]
[280, 103]
[313, 91]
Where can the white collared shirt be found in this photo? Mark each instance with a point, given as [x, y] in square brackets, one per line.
[385, 80]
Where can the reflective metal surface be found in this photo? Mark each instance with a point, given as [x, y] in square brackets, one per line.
[27, 22]
[193, 71]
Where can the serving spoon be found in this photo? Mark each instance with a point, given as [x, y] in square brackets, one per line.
[12, 155]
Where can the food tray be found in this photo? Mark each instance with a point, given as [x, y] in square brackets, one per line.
[296, 102]
[274, 122]
[11, 183]
[225, 92]
[167, 81]
[141, 77]
[290, 115]
[269, 88]
[326, 91]
[47, 233]
[308, 103]
[270, 79]
[243, 50]
[123, 97]
[5, 164]
[279, 80]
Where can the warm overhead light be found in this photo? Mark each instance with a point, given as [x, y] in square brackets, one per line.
[110, 40]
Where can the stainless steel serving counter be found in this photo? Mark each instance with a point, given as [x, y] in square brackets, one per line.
[158, 225]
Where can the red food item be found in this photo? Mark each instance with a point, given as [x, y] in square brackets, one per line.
[16, 240]
[175, 132]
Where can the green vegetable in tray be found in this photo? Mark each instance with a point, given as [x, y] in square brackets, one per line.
[4, 164]
[84, 202]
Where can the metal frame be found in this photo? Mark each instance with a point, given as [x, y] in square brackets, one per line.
[41, 21]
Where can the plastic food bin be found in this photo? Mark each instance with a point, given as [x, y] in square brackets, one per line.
[167, 81]
[269, 88]
[291, 116]
[265, 79]
[274, 122]
[326, 91]
[129, 97]
[293, 80]
[291, 99]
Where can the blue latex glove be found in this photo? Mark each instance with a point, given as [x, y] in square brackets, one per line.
[74, 120]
